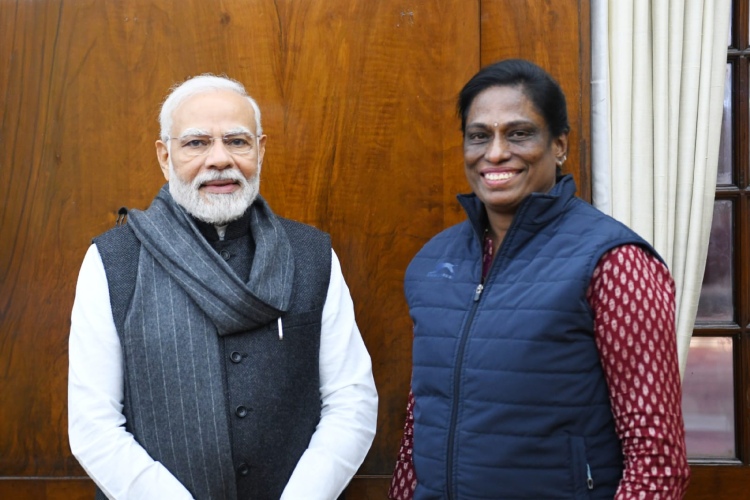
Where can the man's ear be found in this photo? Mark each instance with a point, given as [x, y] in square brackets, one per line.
[261, 148]
[162, 154]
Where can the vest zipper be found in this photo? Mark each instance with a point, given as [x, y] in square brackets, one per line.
[456, 390]
[589, 479]
[462, 346]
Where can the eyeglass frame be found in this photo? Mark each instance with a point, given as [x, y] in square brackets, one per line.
[202, 135]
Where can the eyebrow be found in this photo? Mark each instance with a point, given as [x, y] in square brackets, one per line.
[515, 123]
[238, 131]
[193, 131]
[204, 133]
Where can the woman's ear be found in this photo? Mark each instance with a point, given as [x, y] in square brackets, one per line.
[560, 146]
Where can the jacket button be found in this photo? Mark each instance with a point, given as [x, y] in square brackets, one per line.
[243, 469]
[235, 357]
[225, 254]
[241, 411]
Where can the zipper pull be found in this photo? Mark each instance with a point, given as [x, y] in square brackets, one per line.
[478, 293]
[589, 479]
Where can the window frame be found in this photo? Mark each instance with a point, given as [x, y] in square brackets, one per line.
[738, 55]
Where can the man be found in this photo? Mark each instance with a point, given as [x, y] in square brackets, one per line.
[213, 347]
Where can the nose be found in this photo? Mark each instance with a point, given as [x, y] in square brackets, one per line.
[497, 149]
[218, 156]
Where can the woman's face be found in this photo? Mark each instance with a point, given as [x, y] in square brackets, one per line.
[508, 150]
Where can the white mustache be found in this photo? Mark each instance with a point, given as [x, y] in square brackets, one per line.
[216, 175]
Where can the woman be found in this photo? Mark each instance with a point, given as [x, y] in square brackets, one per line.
[545, 361]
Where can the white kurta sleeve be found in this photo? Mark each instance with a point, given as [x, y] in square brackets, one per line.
[349, 402]
[96, 426]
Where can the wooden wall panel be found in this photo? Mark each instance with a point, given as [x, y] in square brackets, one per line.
[358, 103]
[557, 36]
[47, 489]
[35, 290]
[711, 482]
[357, 100]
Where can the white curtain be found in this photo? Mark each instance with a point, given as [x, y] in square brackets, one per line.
[658, 74]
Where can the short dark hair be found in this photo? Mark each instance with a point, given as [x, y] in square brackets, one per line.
[543, 91]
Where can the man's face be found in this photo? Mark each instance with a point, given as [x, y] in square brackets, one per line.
[213, 157]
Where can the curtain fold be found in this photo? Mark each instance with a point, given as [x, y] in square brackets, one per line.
[658, 73]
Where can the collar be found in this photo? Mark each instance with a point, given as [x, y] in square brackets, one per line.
[235, 229]
[536, 208]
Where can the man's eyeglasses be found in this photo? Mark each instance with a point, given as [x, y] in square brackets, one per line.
[199, 145]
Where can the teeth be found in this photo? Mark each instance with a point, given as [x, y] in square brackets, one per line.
[498, 176]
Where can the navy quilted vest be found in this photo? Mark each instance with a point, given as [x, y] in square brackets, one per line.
[511, 400]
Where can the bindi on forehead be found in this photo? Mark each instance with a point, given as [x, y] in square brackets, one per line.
[503, 125]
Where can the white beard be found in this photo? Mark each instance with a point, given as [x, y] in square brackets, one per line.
[213, 208]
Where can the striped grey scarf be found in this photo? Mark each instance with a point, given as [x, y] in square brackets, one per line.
[186, 295]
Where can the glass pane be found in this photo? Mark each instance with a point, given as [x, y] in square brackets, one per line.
[724, 171]
[716, 302]
[708, 399]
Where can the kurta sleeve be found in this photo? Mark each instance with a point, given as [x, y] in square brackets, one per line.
[108, 453]
[633, 298]
[349, 402]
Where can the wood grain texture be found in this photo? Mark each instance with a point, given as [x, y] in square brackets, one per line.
[358, 101]
[46, 488]
[368, 488]
[711, 482]
[556, 35]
